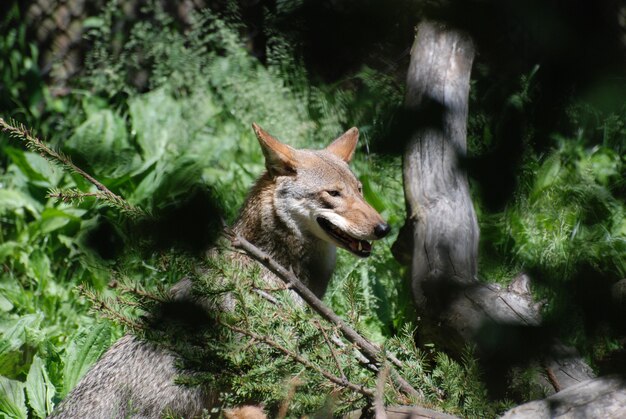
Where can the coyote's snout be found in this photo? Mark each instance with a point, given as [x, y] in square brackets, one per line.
[306, 204]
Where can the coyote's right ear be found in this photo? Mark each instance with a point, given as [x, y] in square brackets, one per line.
[280, 159]
[344, 146]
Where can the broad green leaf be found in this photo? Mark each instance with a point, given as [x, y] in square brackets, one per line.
[7, 249]
[14, 333]
[51, 173]
[85, 348]
[158, 124]
[547, 174]
[12, 400]
[39, 266]
[11, 199]
[36, 168]
[167, 181]
[102, 141]
[39, 388]
[5, 304]
[18, 157]
[52, 219]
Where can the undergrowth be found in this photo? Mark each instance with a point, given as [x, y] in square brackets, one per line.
[165, 122]
[163, 119]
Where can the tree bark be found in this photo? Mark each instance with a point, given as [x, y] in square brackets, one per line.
[445, 230]
[404, 412]
[442, 230]
[599, 398]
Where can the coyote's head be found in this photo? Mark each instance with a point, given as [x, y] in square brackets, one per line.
[316, 193]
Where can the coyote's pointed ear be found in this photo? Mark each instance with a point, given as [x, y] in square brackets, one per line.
[280, 159]
[344, 146]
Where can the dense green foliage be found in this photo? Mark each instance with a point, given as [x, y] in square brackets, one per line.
[164, 121]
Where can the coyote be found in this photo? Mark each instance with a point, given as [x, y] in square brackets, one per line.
[301, 209]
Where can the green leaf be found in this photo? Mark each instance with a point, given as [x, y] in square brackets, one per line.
[102, 141]
[7, 249]
[36, 168]
[85, 348]
[38, 267]
[11, 200]
[5, 304]
[158, 124]
[51, 173]
[13, 335]
[12, 400]
[39, 388]
[53, 219]
[547, 174]
[19, 159]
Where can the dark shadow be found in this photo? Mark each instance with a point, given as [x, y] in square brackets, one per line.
[503, 346]
[190, 329]
[191, 223]
[105, 240]
[428, 115]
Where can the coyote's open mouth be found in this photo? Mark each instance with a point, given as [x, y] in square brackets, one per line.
[360, 248]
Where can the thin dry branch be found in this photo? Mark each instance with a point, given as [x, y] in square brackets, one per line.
[333, 378]
[371, 351]
[319, 326]
[379, 397]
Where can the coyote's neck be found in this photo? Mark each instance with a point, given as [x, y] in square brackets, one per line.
[310, 258]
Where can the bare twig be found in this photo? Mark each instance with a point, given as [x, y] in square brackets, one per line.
[284, 406]
[379, 397]
[333, 378]
[330, 346]
[19, 131]
[140, 293]
[265, 296]
[552, 378]
[372, 352]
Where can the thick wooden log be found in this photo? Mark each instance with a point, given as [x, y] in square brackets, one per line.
[598, 398]
[454, 307]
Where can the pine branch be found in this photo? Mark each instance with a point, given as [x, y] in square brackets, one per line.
[343, 382]
[372, 352]
[108, 312]
[19, 131]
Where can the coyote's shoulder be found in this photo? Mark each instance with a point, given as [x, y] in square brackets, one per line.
[300, 210]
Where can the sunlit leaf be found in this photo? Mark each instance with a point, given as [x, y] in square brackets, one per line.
[39, 388]
[84, 350]
[12, 399]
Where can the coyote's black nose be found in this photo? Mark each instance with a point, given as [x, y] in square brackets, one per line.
[381, 230]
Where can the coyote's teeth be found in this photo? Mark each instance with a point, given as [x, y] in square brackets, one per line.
[360, 246]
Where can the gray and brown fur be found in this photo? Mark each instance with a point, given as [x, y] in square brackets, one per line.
[136, 378]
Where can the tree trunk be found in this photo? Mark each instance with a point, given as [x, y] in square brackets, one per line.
[441, 221]
[455, 309]
[445, 230]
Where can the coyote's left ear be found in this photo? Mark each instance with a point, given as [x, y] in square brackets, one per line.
[280, 159]
[344, 146]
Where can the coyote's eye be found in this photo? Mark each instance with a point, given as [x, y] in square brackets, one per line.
[333, 193]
